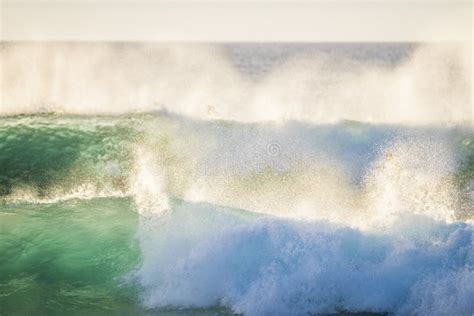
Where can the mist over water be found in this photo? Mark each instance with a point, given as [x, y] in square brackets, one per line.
[261, 179]
[416, 84]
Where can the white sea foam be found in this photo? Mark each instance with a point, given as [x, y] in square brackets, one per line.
[202, 255]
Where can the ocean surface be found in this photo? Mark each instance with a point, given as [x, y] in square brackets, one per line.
[254, 179]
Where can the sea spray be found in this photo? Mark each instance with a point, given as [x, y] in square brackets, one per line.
[432, 85]
[147, 185]
[415, 176]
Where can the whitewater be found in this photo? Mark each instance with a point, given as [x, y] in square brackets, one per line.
[254, 179]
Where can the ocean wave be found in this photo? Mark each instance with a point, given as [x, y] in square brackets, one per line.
[431, 85]
[297, 219]
[198, 257]
[330, 171]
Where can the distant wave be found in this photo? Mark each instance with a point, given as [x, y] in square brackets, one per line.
[431, 85]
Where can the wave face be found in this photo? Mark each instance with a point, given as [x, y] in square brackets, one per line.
[67, 257]
[199, 206]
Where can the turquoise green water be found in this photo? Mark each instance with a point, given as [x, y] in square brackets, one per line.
[69, 256]
[43, 152]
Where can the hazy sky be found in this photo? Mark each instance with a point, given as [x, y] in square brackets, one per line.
[264, 20]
